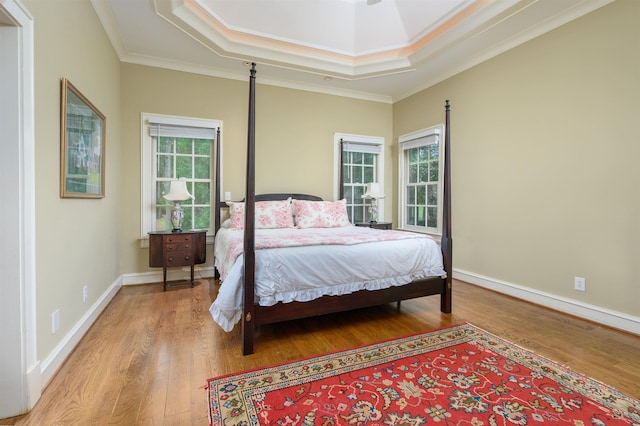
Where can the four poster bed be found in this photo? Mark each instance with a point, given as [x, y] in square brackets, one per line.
[272, 241]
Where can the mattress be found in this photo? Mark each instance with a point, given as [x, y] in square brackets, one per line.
[303, 264]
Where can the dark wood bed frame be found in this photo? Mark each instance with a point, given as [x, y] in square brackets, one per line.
[255, 315]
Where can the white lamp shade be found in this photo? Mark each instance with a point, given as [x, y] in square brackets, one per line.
[373, 191]
[178, 191]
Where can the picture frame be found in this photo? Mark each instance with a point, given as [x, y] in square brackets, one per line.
[82, 145]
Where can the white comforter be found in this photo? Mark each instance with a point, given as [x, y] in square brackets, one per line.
[304, 264]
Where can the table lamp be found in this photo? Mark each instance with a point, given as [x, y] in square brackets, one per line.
[177, 192]
[373, 194]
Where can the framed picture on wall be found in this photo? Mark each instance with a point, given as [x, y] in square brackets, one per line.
[82, 145]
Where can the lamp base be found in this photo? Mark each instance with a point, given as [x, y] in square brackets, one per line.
[176, 217]
[373, 211]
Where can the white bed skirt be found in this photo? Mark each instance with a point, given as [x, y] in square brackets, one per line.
[306, 273]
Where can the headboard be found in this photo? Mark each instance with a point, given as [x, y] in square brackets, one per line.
[284, 196]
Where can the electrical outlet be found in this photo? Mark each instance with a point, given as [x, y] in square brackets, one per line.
[227, 196]
[85, 293]
[580, 284]
[55, 321]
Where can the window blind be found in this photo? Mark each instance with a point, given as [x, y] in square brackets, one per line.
[420, 141]
[176, 128]
[368, 148]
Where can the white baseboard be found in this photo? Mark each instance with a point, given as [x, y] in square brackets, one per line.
[593, 313]
[34, 380]
[56, 358]
[172, 275]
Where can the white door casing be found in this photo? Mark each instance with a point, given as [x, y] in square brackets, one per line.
[19, 368]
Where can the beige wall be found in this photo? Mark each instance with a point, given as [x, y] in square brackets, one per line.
[545, 160]
[77, 240]
[294, 136]
[545, 150]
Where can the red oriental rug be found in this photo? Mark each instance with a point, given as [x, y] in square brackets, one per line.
[458, 375]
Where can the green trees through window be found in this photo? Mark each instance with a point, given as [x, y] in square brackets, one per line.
[422, 186]
[358, 169]
[362, 161]
[189, 158]
[421, 196]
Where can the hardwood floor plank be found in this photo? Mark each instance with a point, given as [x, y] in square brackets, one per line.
[152, 403]
[146, 359]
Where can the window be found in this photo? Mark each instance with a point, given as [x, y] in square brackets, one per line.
[362, 163]
[421, 181]
[177, 147]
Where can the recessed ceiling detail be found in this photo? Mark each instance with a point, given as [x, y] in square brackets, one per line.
[349, 28]
[348, 39]
[382, 50]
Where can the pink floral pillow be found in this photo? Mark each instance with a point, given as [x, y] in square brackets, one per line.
[269, 214]
[321, 214]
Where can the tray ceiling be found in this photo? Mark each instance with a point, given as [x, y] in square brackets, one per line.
[372, 49]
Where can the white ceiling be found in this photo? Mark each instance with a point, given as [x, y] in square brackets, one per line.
[380, 50]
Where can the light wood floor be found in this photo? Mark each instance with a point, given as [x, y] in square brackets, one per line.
[146, 359]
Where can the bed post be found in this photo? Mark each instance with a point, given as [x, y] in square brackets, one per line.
[249, 225]
[447, 242]
[216, 196]
[218, 205]
[340, 172]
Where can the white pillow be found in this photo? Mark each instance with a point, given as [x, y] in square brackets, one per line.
[321, 214]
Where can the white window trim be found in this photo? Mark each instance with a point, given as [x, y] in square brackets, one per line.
[147, 164]
[364, 140]
[404, 142]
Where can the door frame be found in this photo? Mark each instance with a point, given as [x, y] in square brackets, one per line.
[19, 369]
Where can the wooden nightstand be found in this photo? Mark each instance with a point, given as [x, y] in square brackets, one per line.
[376, 225]
[174, 249]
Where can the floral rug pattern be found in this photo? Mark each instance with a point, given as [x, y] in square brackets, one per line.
[460, 375]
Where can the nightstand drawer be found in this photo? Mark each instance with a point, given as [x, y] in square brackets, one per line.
[174, 247]
[178, 242]
[179, 258]
[184, 238]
